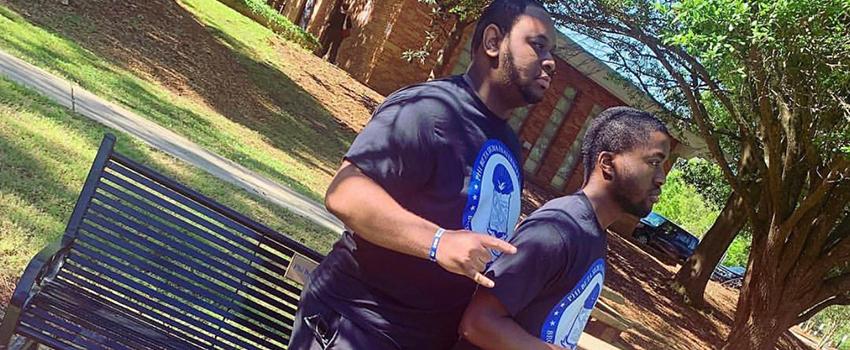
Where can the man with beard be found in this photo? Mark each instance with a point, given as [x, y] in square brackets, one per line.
[544, 293]
[424, 191]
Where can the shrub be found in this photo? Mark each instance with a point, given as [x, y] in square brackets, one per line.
[280, 24]
[684, 205]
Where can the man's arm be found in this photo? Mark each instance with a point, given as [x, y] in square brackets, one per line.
[367, 209]
[488, 325]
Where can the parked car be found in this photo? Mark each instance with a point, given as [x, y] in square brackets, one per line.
[660, 233]
[723, 273]
[732, 276]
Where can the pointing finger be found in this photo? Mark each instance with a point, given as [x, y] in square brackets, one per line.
[498, 244]
[483, 280]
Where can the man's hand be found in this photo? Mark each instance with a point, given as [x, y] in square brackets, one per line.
[467, 253]
[366, 208]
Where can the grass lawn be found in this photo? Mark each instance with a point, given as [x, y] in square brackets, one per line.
[196, 67]
[45, 154]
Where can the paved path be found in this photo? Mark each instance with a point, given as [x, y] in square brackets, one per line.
[118, 118]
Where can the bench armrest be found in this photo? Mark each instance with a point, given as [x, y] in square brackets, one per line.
[44, 265]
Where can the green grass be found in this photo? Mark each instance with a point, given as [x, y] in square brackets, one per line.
[45, 155]
[276, 128]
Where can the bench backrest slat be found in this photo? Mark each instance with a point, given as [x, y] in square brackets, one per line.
[232, 269]
[199, 198]
[214, 217]
[163, 255]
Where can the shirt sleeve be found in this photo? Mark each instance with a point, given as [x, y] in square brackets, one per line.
[540, 258]
[397, 147]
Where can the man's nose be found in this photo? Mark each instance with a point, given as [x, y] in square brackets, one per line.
[660, 177]
[549, 64]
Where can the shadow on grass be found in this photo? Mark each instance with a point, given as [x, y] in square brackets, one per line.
[46, 173]
[162, 41]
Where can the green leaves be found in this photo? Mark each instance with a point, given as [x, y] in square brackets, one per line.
[682, 203]
[282, 25]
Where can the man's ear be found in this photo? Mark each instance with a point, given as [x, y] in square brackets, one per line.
[605, 161]
[492, 40]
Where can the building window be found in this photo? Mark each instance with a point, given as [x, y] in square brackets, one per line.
[532, 164]
[573, 156]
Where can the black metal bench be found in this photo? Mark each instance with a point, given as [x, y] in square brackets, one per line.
[146, 263]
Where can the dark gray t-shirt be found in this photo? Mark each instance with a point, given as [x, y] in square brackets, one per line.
[440, 153]
[553, 281]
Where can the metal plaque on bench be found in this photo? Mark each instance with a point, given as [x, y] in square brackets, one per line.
[300, 268]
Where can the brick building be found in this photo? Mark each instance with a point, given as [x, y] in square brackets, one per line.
[550, 132]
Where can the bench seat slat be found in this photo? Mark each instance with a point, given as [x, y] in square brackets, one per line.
[142, 317]
[160, 309]
[143, 309]
[80, 304]
[222, 305]
[87, 338]
[117, 235]
[199, 318]
[56, 338]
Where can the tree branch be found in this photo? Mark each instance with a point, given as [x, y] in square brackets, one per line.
[836, 300]
[702, 121]
[839, 169]
[834, 287]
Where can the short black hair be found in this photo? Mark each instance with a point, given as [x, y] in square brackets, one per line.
[502, 13]
[617, 129]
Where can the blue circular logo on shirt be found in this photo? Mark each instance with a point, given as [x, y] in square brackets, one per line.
[567, 319]
[494, 192]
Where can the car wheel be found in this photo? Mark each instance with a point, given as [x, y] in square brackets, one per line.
[642, 239]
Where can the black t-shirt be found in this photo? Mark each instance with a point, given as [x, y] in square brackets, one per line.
[441, 154]
[553, 281]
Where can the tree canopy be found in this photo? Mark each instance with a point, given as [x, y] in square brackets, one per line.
[765, 83]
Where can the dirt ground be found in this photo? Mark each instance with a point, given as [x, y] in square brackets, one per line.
[180, 54]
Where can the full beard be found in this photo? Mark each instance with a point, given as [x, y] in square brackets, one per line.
[629, 205]
[525, 88]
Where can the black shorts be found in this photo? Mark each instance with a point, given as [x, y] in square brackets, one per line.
[318, 327]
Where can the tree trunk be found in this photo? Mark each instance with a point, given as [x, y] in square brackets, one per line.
[694, 274]
[754, 336]
[441, 67]
[758, 325]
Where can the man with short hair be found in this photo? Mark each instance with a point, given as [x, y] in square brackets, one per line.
[544, 293]
[430, 186]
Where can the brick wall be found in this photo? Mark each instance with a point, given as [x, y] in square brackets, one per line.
[374, 56]
[588, 95]
[319, 18]
[372, 22]
[382, 30]
[538, 115]
[292, 9]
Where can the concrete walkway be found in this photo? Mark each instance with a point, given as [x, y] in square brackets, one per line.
[118, 118]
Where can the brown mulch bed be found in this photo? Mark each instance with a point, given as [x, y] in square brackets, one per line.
[662, 319]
